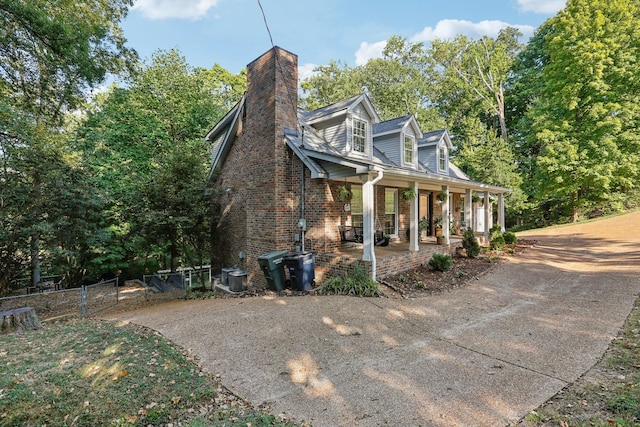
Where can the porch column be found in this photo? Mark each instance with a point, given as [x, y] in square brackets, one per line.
[446, 229]
[468, 208]
[367, 219]
[487, 215]
[501, 211]
[413, 220]
[368, 214]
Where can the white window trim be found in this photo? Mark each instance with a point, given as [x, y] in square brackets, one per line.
[366, 136]
[440, 149]
[413, 149]
[395, 207]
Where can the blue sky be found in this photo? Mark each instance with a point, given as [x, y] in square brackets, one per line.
[232, 32]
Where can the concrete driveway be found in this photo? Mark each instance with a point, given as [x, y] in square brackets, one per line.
[485, 354]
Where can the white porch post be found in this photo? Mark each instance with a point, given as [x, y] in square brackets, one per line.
[413, 220]
[501, 211]
[445, 216]
[487, 214]
[368, 253]
[368, 243]
[468, 208]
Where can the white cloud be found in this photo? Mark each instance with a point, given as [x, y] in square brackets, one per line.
[181, 9]
[450, 28]
[369, 51]
[541, 6]
[305, 71]
[445, 29]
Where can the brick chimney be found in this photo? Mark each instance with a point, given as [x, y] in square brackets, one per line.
[272, 92]
[263, 162]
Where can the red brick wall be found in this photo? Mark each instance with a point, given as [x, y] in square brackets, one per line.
[260, 208]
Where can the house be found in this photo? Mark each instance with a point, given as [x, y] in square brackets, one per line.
[277, 170]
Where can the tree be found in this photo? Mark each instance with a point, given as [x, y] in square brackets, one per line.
[148, 157]
[399, 83]
[587, 116]
[523, 88]
[474, 73]
[472, 96]
[51, 51]
[329, 84]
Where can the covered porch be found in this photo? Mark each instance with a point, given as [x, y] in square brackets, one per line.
[380, 202]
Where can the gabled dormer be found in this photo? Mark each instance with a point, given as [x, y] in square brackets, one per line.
[346, 125]
[433, 151]
[397, 139]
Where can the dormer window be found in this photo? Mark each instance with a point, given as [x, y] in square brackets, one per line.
[409, 143]
[442, 159]
[359, 137]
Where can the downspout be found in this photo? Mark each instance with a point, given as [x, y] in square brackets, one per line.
[302, 199]
[373, 254]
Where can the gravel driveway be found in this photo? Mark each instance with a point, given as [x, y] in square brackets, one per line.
[485, 354]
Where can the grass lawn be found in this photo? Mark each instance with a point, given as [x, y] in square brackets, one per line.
[95, 373]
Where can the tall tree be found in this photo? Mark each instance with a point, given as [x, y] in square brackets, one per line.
[329, 84]
[523, 88]
[587, 117]
[51, 51]
[146, 150]
[475, 72]
[399, 83]
[472, 96]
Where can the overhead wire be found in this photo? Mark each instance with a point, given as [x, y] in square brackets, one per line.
[293, 104]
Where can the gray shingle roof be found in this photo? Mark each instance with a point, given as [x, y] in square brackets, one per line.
[310, 116]
[431, 137]
[390, 125]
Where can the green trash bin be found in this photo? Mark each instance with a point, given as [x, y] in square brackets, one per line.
[272, 266]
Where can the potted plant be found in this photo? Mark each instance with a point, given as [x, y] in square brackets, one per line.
[437, 223]
[408, 193]
[475, 198]
[441, 197]
[423, 227]
[344, 194]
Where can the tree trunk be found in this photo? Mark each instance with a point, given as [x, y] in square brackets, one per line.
[174, 256]
[19, 319]
[35, 259]
[575, 207]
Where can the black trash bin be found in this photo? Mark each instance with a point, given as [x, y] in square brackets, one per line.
[273, 268]
[301, 268]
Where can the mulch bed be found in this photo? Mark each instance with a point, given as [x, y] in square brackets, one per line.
[423, 280]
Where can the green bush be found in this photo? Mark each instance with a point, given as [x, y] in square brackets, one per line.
[470, 244]
[495, 231]
[510, 237]
[440, 262]
[357, 283]
[497, 242]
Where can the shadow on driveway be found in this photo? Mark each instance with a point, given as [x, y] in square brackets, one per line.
[485, 354]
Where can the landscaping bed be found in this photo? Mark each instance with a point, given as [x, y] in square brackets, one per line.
[424, 280]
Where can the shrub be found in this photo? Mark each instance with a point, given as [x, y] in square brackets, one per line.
[497, 242]
[440, 262]
[358, 283]
[470, 244]
[495, 231]
[510, 237]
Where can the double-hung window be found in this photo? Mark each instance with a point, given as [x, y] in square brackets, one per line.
[359, 136]
[408, 149]
[391, 211]
[356, 206]
[442, 159]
